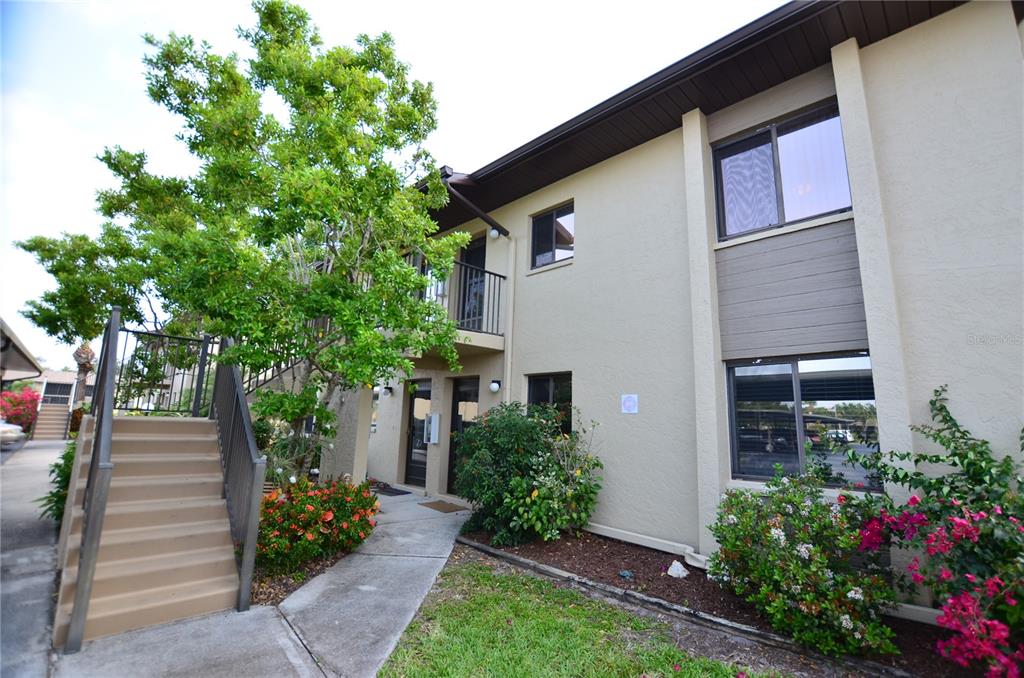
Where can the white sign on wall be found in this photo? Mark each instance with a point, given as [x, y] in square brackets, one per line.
[630, 403]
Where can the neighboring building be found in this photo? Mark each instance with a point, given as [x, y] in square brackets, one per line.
[792, 235]
[16, 361]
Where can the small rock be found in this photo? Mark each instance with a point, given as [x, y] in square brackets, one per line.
[626, 574]
[677, 570]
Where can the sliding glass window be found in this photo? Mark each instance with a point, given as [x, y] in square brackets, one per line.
[836, 414]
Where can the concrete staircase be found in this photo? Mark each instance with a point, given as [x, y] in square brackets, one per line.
[51, 422]
[165, 550]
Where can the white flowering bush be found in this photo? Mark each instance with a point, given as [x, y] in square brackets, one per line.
[791, 554]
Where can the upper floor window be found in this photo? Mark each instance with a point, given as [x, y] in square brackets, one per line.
[554, 236]
[786, 172]
[553, 389]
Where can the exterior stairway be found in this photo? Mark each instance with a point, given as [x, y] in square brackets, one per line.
[51, 422]
[165, 551]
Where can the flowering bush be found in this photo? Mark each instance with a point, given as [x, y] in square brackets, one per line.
[524, 477]
[20, 407]
[792, 555]
[306, 521]
[967, 525]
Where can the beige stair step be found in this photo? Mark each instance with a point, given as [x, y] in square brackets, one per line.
[156, 464]
[161, 540]
[164, 425]
[130, 514]
[139, 488]
[113, 614]
[159, 442]
[128, 575]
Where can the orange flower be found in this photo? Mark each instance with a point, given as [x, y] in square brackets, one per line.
[272, 496]
[366, 494]
[309, 507]
[373, 523]
[344, 526]
[310, 536]
[327, 516]
[362, 536]
[348, 499]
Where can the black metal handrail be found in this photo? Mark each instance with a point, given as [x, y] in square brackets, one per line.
[97, 486]
[163, 373]
[244, 469]
[473, 297]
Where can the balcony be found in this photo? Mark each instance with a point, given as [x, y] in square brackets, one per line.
[474, 298]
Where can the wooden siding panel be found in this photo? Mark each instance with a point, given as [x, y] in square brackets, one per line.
[791, 294]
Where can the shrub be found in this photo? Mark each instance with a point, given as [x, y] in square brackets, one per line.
[60, 478]
[306, 521]
[793, 555]
[966, 527]
[20, 408]
[524, 477]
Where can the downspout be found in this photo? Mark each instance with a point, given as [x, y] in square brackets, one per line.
[506, 394]
[446, 177]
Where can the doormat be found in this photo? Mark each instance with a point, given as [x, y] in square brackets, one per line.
[443, 506]
[388, 491]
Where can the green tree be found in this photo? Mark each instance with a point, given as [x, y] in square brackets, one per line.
[306, 237]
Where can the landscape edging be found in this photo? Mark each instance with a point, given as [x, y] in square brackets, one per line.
[702, 618]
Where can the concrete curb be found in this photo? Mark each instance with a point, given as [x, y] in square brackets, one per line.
[866, 667]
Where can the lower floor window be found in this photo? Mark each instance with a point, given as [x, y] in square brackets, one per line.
[803, 411]
[553, 389]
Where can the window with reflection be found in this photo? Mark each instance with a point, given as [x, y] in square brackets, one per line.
[553, 236]
[785, 172]
[553, 389]
[804, 413]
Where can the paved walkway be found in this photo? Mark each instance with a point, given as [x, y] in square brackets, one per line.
[344, 622]
[27, 560]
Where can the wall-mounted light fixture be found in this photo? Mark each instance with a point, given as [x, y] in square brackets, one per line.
[493, 233]
[495, 386]
[387, 391]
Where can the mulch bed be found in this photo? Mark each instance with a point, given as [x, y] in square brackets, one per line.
[602, 558]
[272, 589]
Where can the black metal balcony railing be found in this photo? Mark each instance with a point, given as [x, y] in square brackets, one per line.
[473, 297]
[163, 373]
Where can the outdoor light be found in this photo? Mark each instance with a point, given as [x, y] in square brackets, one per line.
[387, 391]
[494, 234]
[376, 390]
[495, 386]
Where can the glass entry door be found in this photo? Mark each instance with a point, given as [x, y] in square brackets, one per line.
[472, 286]
[465, 407]
[416, 446]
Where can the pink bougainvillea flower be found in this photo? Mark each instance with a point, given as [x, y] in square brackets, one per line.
[914, 500]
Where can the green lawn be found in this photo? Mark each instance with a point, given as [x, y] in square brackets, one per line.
[479, 623]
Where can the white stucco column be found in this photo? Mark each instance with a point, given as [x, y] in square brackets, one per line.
[881, 305]
[712, 435]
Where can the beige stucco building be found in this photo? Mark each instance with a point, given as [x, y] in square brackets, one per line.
[793, 235]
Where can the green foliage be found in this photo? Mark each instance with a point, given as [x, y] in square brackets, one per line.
[60, 478]
[978, 478]
[306, 521]
[302, 237]
[481, 623]
[524, 477]
[793, 556]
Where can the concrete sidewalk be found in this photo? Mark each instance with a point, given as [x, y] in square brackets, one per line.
[352, 616]
[28, 560]
[344, 622]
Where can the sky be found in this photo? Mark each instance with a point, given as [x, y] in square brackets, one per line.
[71, 84]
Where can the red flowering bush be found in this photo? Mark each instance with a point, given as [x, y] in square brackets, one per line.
[306, 521]
[20, 407]
[967, 528]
